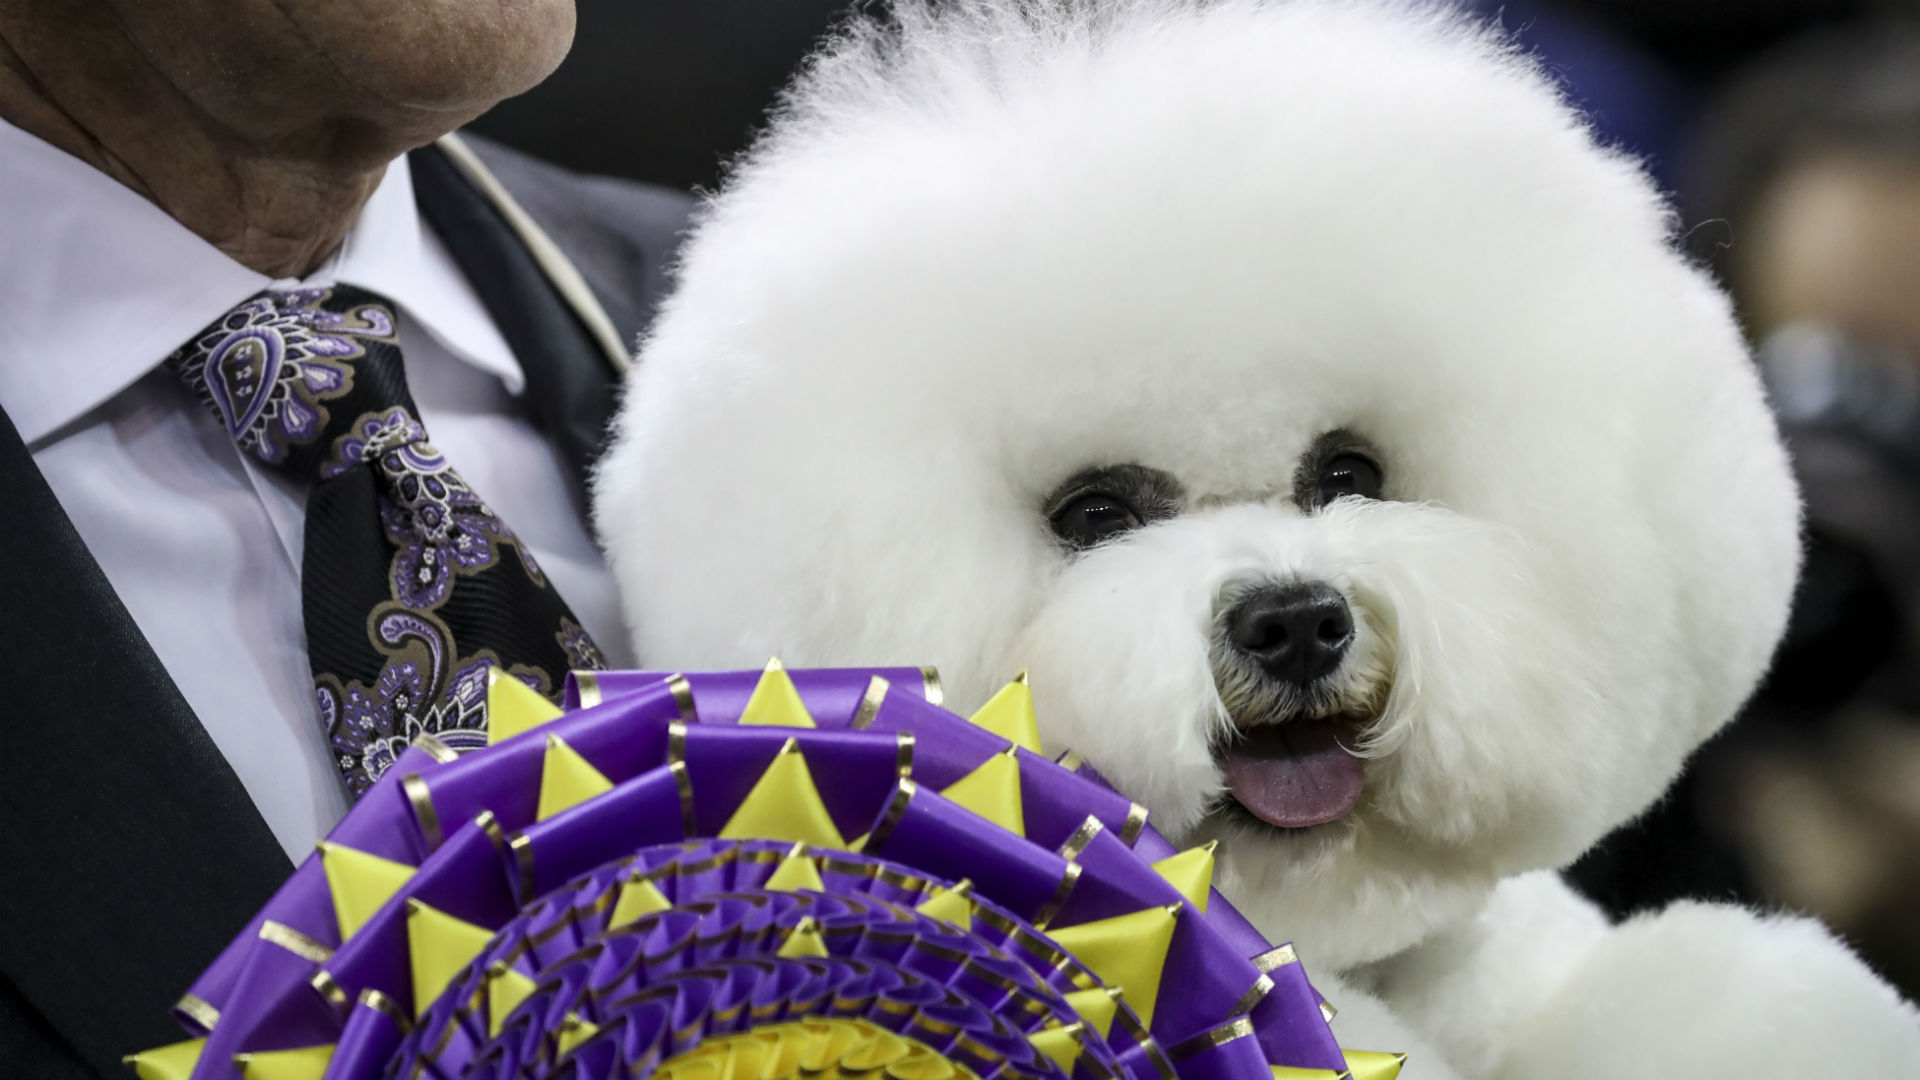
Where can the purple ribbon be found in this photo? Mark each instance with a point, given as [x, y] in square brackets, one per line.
[611, 999]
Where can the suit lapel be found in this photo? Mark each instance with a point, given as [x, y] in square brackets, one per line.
[131, 850]
[570, 351]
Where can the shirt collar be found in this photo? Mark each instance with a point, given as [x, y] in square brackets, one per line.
[391, 252]
[100, 285]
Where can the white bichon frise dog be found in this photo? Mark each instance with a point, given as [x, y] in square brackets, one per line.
[1332, 429]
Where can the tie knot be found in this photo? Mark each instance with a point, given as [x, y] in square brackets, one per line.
[388, 437]
[309, 380]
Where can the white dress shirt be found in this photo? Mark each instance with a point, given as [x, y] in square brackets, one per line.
[201, 542]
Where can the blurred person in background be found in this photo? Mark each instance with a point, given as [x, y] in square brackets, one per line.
[1806, 184]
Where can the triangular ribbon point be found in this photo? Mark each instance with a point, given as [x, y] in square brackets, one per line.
[566, 779]
[1190, 872]
[803, 941]
[1127, 951]
[360, 883]
[513, 707]
[796, 871]
[785, 805]
[638, 897]
[174, 1061]
[1009, 714]
[775, 701]
[438, 946]
[993, 791]
[303, 1063]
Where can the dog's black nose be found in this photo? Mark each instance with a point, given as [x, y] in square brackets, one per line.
[1297, 632]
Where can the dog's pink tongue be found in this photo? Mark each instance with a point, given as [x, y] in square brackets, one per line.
[1294, 774]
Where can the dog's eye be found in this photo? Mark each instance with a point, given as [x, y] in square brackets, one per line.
[1093, 517]
[1339, 464]
[1105, 501]
[1347, 474]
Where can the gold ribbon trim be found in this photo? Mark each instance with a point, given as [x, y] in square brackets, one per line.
[294, 942]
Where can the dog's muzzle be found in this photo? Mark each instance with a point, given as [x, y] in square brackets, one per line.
[1284, 765]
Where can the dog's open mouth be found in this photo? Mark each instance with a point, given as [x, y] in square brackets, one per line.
[1295, 774]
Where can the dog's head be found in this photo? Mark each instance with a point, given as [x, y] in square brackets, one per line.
[1295, 389]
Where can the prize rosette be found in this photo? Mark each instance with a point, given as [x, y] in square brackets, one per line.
[752, 876]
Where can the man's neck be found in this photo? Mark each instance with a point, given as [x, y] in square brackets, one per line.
[279, 202]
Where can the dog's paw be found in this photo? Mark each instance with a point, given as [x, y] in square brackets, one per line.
[1708, 990]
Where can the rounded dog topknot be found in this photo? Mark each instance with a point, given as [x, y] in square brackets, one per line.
[988, 250]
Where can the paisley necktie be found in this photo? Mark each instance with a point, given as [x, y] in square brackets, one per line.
[411, 588]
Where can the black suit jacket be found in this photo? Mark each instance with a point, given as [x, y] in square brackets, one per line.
[129, 852]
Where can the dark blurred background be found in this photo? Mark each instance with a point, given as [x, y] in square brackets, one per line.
[666, 90]
[1788, 132]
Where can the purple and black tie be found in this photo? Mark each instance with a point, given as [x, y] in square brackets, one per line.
[411, 588]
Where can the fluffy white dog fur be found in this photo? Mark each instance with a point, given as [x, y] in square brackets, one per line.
[1000, 243]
